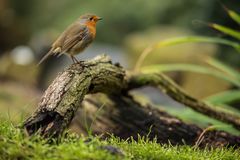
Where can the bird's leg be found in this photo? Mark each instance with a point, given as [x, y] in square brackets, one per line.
[74, 59]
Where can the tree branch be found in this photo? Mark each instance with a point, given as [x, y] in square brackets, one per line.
[125, 116]
[64, 96]
[169, 87]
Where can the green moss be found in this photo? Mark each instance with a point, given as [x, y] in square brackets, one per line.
[14, 144]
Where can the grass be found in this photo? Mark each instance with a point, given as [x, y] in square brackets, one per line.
[14, 144]
[189, 116]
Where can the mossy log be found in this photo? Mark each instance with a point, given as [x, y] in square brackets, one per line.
[123, 115]
[64, 96]
[170, 88]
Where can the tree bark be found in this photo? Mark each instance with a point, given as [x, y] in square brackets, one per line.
[167, 86]
[64, 96]
[124, 116]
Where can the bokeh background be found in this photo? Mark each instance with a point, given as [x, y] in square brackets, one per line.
[28, 27]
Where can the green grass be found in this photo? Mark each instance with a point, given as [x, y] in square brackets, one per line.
[14, 144]
[190, 116]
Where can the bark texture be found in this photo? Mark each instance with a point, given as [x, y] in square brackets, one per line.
[64, 96]
[167, 86]
[124, 116]
[120, 113]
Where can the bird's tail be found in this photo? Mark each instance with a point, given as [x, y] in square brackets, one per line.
[51, 52]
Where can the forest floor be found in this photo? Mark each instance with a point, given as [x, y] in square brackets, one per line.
[15, 144]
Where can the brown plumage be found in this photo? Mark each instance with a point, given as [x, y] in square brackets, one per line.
[75, 38]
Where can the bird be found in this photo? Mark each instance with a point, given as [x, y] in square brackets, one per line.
[75, 38]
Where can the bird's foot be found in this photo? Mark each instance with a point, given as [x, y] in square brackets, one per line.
[79, 62]
[75, 60]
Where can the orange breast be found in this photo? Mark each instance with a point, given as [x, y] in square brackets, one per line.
[92, 28]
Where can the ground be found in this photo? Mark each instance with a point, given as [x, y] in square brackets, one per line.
[15, 144]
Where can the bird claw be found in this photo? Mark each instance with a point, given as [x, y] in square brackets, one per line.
[79, 62]
[75, 60]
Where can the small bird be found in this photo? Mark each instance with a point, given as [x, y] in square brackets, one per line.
[75, 38]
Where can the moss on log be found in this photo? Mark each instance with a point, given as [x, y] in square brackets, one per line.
[64, 96]
[124, 116]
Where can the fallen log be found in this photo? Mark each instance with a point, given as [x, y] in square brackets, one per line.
[64, 96]
[167, 86]
[124, 116]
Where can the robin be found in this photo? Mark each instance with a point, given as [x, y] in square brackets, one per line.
[75, 38]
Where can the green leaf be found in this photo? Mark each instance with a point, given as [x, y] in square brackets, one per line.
[182, 40]
[223, 67]
[189, 68]
[188, 115]
[235, 16]
[205, 39]
[226, 30]
[224, 97]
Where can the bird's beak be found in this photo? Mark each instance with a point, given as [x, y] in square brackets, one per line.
[99, 18]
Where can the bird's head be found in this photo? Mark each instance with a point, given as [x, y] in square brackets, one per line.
[90, 19]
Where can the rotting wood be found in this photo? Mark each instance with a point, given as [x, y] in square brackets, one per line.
[124, 117]
[63, 97]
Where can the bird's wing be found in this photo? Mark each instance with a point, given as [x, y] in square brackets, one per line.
[69, 38]
[73, 35]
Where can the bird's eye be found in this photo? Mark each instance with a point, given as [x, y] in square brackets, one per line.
[91, 18]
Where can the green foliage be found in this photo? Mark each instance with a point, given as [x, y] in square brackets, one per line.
[234, 16]
[190, 68]
[228, 71]
[190, 116]
[215, 68]
[218, 68]
[14, 144]
[182, 40]
[226, 97]
[120, 17]
[231, 95]
[192, 39]
[226, 30]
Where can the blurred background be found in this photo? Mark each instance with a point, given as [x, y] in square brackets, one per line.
[28, 28]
